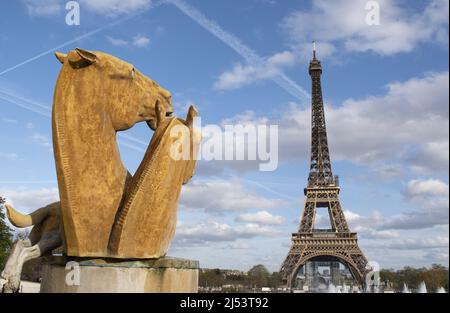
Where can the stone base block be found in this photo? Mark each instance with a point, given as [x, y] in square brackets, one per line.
[72, 275]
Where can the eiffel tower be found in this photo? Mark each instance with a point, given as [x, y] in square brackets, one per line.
[334, 245]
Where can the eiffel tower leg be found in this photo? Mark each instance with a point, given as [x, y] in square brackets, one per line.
[360, 262]
[307, 223]
[289, 265]
[338, 216]
[287, 269]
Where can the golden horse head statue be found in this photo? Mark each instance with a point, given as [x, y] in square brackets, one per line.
[118, 88]
[105, 210]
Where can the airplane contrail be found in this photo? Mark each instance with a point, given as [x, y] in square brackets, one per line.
[28, 181]
[266, 188]
[131, 138]
[129, 145]
[23, 104]
[59, 47]
[32, 102]
[43, 110]
[236, 44]
[212, 27]
[86, 35]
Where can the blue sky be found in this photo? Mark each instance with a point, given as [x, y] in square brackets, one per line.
[385, 88]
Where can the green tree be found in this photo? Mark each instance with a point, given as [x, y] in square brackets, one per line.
[211, 278]
[259, 276]
[5, 236]
[434, 277]
[275, 280]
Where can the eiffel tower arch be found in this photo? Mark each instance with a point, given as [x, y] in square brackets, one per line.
[337, 244]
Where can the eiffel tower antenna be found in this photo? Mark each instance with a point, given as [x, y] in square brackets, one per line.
[337, 244]
[314, 50]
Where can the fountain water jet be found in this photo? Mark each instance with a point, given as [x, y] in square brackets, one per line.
[331, 288]
[345, 289]
[405, 289]
[422, 288]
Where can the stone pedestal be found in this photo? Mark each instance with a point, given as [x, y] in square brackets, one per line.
[110, 276]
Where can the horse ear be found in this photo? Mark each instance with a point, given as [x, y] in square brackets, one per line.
[87, 56]
[80, 58]
[192, 114]
[61, 57]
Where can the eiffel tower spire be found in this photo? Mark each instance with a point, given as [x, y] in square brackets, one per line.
[337, 244]
[320, 173]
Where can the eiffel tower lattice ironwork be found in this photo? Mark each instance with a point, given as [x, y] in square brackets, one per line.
[337, 243]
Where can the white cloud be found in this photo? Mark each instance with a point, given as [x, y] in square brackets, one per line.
[342, 23]
[117, 41]
[261, 217]
[431, 153]
[30, 199]
[428, 212]
[104, 7]
[389, 127]
[377, 234]
[42, 7]
[141, 41]
[437, 256]
[238, 246]
[284, 58]
[160, 30]
[430, 197]
[419, 244]
[8, 156]
[213, 231]
[236, 44]
[341, 26]
[418, 249]
[115, 7]
[42, 140]
[221, 196]
[400, 131]
[417, 219]
[239, 76]
[9, 120]
[242, 75]
[368, 226]
[426, 188]
[430, 209]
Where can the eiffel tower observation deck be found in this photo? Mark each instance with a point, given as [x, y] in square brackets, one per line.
[336, 244]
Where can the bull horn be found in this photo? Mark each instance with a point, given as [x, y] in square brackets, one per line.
[26, 220]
